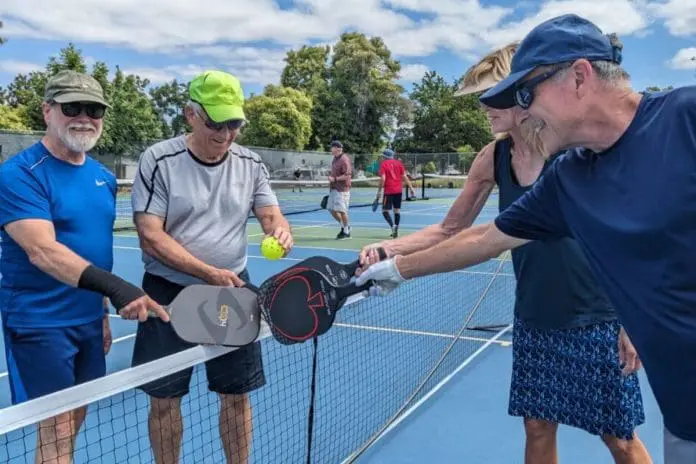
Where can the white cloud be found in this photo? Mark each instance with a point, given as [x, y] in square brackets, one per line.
[679, 15]
[18, 67]
[684, 59]
[413, 72]
[225, 33]
[622, 17]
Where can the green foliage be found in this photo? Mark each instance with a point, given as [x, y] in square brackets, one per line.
[355, 94]
[169, 101]
[132, 122]
[2, 39]
[13, 118]
[430, 167]
[654, 88]
[280, 118]
[442, 122]
[350, 93]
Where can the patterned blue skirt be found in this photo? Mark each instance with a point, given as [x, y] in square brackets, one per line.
[573, 377]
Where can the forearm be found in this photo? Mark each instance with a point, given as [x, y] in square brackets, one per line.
[165, 249]
[271, 221]
[465, 249]
[421, 240]
[58, 261]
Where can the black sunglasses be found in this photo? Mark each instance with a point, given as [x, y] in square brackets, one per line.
[73, 109]
[524, 91]
[232, 124]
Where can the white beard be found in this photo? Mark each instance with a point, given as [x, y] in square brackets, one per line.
[78, 142]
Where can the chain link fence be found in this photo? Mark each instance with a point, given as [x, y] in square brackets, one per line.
[281, 164]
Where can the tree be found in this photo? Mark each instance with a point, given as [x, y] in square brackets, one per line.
[363, 92]
[2, 39]
[654, 88]
[355, 95]
[13, 118]
[132, 122]
[169, 100]
[441, 121]
[279, 118]
[307, 70]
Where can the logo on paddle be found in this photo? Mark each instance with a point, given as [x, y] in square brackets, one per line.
[223, 313]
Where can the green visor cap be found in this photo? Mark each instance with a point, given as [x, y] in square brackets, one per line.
[220, 94]
[70, 86]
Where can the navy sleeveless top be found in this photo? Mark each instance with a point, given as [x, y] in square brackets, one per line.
[555, 287]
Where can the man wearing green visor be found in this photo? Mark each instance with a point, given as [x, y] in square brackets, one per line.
[191, 198]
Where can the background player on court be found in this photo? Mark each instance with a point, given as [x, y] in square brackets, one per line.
[392, 172]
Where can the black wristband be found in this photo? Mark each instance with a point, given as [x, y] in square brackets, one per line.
[120, 292]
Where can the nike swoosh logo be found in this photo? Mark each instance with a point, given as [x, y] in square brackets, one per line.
[100, 183]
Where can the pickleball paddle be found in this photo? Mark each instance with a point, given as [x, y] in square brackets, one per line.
[302, 304]
[210, 315]
[375, 204]
[338, 273]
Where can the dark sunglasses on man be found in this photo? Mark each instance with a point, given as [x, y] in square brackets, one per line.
[73, 109]
[232, 124]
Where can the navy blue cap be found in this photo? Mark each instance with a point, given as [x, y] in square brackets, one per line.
[388, 153]
[561, 39]
[336, 143]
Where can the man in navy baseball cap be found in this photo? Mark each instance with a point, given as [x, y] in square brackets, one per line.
[559, 40]
[624, 190]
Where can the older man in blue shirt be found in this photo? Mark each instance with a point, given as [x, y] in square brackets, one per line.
[628, 198]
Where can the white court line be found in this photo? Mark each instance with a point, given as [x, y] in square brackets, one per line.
[435, 389]
[417, 332]
[324, 224]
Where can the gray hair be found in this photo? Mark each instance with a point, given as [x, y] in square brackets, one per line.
[608, 72]
[194, 106]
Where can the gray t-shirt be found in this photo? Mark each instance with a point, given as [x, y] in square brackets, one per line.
[205, 206]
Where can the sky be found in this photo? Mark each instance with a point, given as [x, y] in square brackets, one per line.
[165, 39]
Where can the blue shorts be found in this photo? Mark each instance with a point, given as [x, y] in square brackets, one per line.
[47, 359]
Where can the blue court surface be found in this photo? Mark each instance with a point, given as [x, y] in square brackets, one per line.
[372, 360]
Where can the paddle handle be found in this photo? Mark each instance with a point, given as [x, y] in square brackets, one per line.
[350, 268]
[352, 289]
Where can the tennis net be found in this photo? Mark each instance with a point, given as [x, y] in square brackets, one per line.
[294, 197]
[382, 358]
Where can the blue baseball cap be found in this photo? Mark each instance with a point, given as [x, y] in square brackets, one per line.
[388, 153]
[558, 40]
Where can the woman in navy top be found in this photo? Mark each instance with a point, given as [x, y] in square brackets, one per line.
[559, 306]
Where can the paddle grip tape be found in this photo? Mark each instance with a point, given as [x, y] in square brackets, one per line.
[120, 292]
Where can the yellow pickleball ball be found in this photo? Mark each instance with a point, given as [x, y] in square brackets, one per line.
[271, 248]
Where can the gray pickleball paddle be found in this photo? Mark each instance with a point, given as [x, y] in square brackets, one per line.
[210, 315]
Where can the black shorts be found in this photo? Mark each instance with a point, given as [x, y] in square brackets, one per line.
[393, 200]
[235, 373]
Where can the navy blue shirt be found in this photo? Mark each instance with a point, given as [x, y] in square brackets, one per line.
[632, 209]
[80, 201]
[555, 285]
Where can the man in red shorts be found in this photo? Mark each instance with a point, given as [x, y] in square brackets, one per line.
[392, 173]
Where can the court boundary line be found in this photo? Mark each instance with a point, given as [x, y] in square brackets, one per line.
[432, 391]
[417, 332]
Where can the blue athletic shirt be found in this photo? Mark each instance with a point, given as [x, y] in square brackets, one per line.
[81, 203]
[632, 209]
